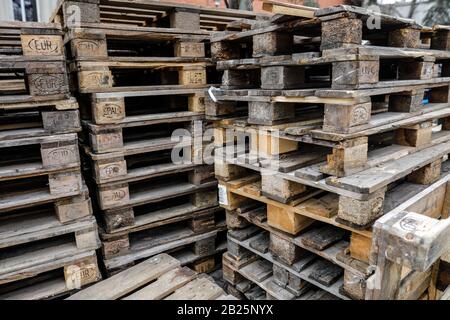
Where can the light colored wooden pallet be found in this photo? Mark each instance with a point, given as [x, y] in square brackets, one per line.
[157, 278]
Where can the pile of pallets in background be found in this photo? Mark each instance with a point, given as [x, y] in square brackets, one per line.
[140, 71]
[336, 123]
[48, 235]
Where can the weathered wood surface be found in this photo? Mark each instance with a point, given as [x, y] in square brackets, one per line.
[160, 277]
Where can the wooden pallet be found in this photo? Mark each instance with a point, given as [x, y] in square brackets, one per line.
[170, 208]
[100, 42]
[274, 282]
[152, 188]
[32, 62]
[124, 107]
[333, 111]
[362, 67]
[30, 259]
[412, 265]
[31, 39]
[65, 276]
[120, 74]
[70, 216]
[157, 278]
[327, 28]
[150, 14]
[334, 154]
[173, 237]
[46, 155]
[178, 225]
[251, 233]
[356, 200]
[29, 119]
[145, 135]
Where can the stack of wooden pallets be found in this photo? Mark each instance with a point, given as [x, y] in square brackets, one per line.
[48, 235]
[339, 116]
[140, 70]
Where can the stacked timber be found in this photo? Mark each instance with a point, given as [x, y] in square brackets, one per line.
[140, 71]
[48, 235]
[323, 124]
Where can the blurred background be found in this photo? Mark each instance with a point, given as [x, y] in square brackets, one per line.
[426, 12]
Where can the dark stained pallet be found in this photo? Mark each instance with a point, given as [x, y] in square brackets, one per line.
[154, 232]
[33, 119]
[153, 188]
[175, 209]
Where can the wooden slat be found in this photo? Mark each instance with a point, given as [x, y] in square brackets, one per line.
[165, 285]
[199, 289]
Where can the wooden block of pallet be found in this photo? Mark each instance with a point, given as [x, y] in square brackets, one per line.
[157, 278]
